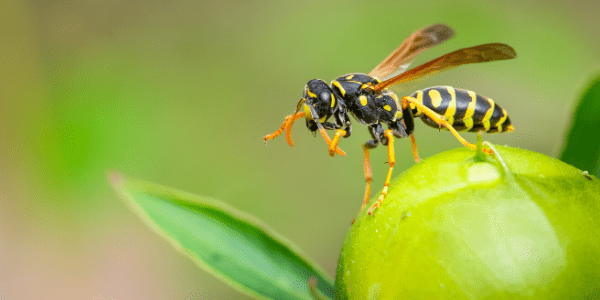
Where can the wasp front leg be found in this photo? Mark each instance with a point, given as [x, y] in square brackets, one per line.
[287, 126]
[324, 134]
[336, 139]
[341, 118]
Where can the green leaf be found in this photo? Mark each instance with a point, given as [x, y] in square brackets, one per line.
[582, 145]
[233, 246]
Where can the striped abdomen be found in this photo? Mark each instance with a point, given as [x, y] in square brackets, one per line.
[464, 109]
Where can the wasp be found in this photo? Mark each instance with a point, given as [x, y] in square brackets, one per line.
[370, 101]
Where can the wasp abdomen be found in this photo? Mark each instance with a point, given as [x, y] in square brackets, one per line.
[464, 109]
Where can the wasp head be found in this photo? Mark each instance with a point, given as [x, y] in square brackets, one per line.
[319, 103]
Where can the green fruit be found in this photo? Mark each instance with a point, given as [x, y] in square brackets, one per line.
[518, 225]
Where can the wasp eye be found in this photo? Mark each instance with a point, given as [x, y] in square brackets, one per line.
[325, 95]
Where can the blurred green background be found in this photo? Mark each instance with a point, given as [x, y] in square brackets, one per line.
[182, 92]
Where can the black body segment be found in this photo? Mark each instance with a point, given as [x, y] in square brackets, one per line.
[320, 103]
[367, 106]
[370, 107]
[319, 95]
[464, 110]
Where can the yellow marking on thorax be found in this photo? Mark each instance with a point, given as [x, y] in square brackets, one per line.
[339, 86]
[436, 98]
[488, 114]
[349, 76]
[310, 93]
[332, 100]
[363, 100]
[387, 107]
[451, 110]
[398, 114]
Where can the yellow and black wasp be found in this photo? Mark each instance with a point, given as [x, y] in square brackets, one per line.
[370, 101]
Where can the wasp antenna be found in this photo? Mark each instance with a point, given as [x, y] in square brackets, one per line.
[299, 105]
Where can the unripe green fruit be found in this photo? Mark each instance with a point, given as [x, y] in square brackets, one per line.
[455, 228]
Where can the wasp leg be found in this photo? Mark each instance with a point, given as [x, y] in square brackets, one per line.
[404, 128]
[336, 139]
[413, 142]
[315, 115]
[345, 133]
[368, 174]
[392, 162]
[330, 126]
[328, 140]
[378, 135]
[287, 125]
[440, 120]
[409, 123]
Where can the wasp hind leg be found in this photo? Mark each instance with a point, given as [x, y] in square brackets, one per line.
[440, 120]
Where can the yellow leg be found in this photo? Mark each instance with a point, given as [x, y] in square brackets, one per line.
[368, 177]
[288, 128]
[336, 139]
[287, 125]
[441, 120]
[413, 142]
[392, 162]
[328, 140]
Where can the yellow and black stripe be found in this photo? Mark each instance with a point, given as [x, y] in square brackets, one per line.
[464, 109]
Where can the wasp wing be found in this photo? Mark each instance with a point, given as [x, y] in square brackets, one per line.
[417, 42]
[475, 54]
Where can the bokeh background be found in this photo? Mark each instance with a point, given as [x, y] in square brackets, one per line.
[182, 92]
